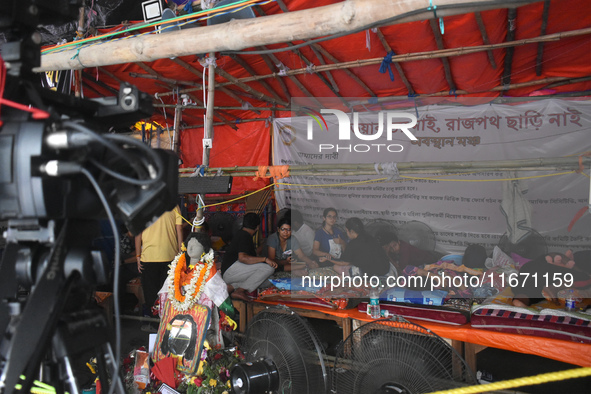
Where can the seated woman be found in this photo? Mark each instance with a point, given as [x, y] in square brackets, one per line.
[329, 240]
[552, 269]
[363, 251]
[282, 247]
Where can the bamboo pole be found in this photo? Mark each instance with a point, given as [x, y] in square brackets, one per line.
[296, 51]
[188, 106]
[208, 129]
[398, 67]
[178, 114]
[251, 71]
[551, 80]
[417, 56]
[554, 81]
[339, 18]
[199, 75]
[434, 172]
[238, 121]
[539, 164]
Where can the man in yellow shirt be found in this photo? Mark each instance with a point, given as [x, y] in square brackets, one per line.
[155, 248]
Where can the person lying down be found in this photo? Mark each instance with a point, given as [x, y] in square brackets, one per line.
[558, 268]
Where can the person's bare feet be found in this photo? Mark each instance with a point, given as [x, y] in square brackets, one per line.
[519, 303]
[239, 294]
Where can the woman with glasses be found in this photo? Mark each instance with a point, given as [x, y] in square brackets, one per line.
[285, 249]
[329, 241]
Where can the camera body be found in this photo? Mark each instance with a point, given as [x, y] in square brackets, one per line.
[61, 172]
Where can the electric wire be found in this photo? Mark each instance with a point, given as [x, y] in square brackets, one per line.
[117, 315]
[106, 143]
[121, 177]
[301, 186]
[157, 161]
[216, 11]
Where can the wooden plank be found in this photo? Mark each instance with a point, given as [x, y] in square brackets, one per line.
[540, 54]
[439, 40]
[485, 39]
[511, 23]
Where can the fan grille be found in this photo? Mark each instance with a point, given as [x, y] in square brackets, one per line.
[285, 338]
[397, 357]
[380, 226]
[418, 234]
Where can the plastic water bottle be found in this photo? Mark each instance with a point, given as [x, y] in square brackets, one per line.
[570, 303]
[373, 308]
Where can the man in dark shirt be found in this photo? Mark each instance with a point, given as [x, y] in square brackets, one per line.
[242, 269]
[402, 253]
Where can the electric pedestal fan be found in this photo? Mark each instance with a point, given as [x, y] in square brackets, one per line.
[283, 355]
[379, 226]
[222, 225]
[534, 245]
[418, 234]
[397, 357]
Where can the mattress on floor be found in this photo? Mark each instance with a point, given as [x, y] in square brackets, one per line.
[543, 320]
[446, 314]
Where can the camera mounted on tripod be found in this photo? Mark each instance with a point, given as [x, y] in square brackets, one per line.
[61, 171]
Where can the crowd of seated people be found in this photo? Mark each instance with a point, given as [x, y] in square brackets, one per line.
[297, 249]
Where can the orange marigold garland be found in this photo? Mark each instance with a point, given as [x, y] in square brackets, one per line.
[183, 295]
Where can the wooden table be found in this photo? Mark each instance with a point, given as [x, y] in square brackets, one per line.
[341, 319]
[465, 339]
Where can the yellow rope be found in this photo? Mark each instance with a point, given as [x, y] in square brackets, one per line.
[519, 382]
[488, 180]
[403, 177]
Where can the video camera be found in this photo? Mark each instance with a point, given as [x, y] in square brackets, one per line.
[61, 171]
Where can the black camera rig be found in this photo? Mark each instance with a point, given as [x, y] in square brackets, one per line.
[61, 170]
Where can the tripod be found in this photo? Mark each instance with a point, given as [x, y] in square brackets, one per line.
[77, 333]
[53, 326]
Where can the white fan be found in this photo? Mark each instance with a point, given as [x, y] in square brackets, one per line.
[418, 234]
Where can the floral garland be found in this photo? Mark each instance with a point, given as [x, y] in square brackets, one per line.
[183, 296]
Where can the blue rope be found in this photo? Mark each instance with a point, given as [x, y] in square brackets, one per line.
[76, 55]
[434, 8]
[414, 99]
[387, 65]
[372, 100]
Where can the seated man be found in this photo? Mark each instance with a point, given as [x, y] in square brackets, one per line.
[362, 251]
[402, 254]
[242, 269]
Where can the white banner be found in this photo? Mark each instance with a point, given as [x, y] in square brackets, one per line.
[460, 209]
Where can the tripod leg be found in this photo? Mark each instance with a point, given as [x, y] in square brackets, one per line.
[70, 381]
[106, 354]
